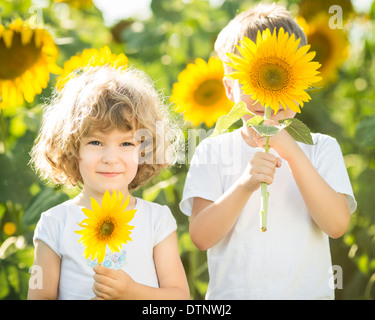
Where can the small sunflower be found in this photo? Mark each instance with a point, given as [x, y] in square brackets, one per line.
[331, 46]
[106, 225]
[274, 71]
[27, 57]
[90, 58]
[200, 92]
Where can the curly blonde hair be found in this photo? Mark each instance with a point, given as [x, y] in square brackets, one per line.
[104, 99]
[248, 23]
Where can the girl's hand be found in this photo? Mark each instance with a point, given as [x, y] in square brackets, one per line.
[111, 284]
[260, 169]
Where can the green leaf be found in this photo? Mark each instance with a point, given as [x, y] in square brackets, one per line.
[224, 122]
[372, 10]
[268, 130]
[16, 176]
[151, 193]
[365, 133]
[298, 130]
[4, 286]
[44, 200]
[255, 121]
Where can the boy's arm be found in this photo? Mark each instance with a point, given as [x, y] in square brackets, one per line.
[211, 221]
[49, 265]
[329, 209]
[117, 284]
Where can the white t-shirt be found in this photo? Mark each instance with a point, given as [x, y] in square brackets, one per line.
[152, 224]
[291, 260]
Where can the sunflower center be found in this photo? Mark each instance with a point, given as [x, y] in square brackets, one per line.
[209, 92]
[14, 61]
[273, 74]
[106, 228]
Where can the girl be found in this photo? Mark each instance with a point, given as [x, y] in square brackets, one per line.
[100, 133]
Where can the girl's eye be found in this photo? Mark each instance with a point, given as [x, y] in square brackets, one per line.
[95, 143]
[127, 144]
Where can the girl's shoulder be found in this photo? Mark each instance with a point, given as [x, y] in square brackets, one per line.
[151, 212]
[61, 211]
[53, 223]
[156, 218]
[150, 207]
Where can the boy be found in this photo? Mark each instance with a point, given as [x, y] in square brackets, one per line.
[310, 195]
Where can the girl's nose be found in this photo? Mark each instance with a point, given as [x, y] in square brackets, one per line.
[110, 155]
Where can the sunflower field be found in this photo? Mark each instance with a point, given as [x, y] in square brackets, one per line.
[42, 40]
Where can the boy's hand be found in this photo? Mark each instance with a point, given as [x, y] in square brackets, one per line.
[112, 284]
[260, 169]
[282, 142]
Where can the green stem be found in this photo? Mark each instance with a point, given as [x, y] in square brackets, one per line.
[263, 188]
[3, 132]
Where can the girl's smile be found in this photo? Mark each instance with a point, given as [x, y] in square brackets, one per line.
[108, 160]
[110, 174]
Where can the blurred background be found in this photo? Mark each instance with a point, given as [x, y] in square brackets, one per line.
[42, 40]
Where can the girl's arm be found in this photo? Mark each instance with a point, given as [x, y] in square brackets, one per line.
[49, 272]
[117, 284]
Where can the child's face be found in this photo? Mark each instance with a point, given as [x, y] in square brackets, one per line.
[108, 161]
[234, 93]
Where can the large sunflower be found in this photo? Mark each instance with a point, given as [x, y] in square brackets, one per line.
[27, 57]
[200, 93]
[106, 225]
[90, 58]
[274, 71]
[331, 46]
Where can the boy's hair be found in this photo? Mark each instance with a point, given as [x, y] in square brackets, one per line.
[103, 99]
[248, 23]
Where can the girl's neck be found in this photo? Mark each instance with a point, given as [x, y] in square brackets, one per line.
[84, 199]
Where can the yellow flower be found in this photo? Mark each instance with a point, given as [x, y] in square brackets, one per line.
[27, 57]
[331, 46]
[274, 71]
[106, 225]
[9, 228]
[90, 58]
[200, 92]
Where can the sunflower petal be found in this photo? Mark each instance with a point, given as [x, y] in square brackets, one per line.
[125, 204]
[106, 201]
